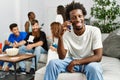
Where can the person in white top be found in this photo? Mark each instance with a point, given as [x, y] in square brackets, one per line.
[60, 14]
[28, 26]
[52, 52]
[83, 45]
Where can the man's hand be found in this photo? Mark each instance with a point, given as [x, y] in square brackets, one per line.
[66, 24]
[15, 44]
[71, 66]
[7, 42]
[64, 27]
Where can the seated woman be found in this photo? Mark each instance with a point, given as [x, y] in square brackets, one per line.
[52, 52]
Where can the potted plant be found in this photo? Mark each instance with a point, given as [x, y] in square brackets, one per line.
[106, 12]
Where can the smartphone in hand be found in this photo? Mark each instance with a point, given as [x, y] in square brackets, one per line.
[69, 27]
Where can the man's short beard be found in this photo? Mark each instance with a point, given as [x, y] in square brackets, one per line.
[78, 28]
[36, 34]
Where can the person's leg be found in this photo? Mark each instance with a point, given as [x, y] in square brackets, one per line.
[6, 47]
[93, 71]
[38, 50]
[8, 66]
[23, 50]
[55, 67]
[52, 55]
[1, 64]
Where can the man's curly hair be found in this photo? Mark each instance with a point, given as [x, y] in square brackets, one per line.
[73, 6]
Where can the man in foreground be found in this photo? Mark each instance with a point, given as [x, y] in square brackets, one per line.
[82, 44]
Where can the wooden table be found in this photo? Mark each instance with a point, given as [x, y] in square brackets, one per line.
[16, 59]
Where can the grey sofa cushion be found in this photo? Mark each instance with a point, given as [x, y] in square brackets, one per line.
[111, 71]
[111, 45]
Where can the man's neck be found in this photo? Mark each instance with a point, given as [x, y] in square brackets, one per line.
[80, 32]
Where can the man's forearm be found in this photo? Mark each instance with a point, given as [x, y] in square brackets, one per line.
[94, 58]
[40, 43]
[86, 60]
[61, 50]
[21, 43]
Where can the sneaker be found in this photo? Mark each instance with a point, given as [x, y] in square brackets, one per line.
[22, 70]
[18, 70]
[32, 71]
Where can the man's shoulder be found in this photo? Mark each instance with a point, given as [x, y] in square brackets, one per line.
[22, 32]
[42, 32]
[92, 28]
[11, 35]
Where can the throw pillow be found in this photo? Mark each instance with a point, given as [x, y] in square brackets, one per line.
[111, 45]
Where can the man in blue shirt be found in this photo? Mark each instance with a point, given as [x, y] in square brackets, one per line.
[15, 37]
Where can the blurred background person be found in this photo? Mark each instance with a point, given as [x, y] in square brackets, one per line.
[28, 26]
[14, 38]
[60, 14]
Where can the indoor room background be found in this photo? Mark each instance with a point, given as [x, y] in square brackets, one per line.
[15, 11]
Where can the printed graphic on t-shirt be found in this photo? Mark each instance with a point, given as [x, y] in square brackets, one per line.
[31, 38]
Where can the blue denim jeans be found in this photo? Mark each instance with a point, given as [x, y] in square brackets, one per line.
[2, 62]
[93, 70]
[37, 51]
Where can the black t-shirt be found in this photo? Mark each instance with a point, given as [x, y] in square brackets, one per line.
[37, 39]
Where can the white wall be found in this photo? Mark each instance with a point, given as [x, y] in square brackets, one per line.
[8, 14]
[15, 11]
[50, 10]
[45, 10]
[31, 5]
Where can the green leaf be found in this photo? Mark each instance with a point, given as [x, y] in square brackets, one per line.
[106, 11]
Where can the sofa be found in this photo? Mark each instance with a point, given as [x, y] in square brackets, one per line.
[42, 62]
[110, 65]
[111, 71]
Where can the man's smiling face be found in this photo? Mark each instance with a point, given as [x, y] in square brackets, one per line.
[77, 19]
